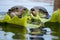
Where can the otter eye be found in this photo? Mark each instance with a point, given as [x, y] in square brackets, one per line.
[32, 9]
[16, 8]
[9, 10]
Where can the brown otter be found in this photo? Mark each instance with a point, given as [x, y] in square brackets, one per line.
[16, 11]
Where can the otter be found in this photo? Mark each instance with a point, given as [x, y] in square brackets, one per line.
[16, 11]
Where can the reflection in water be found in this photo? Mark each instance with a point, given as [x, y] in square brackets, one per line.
[55, 26]
[11, 32]
[49, 37]
[6, 36]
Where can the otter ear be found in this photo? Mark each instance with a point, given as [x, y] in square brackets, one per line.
[9, 11]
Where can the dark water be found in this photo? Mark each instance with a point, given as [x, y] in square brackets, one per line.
[16, 32]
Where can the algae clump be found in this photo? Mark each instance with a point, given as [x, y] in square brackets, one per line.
[15, 20]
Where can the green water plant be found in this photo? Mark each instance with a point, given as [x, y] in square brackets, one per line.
[54, 21]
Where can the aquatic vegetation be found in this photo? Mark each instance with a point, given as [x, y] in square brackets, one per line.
[54, 21]
[15, 20]
[55, 16]
[19, 21]
[15, 25]
[6, 18]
